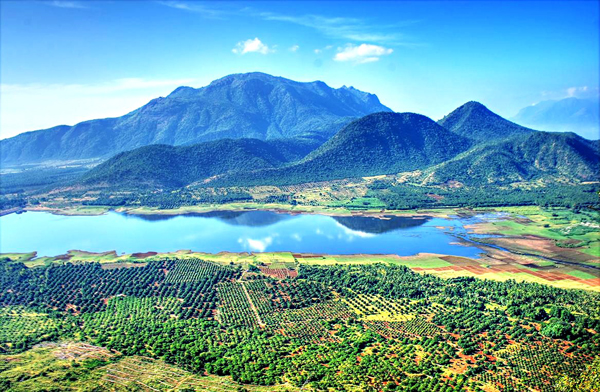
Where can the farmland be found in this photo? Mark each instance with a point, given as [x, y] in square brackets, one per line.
[282, 321]
[506, 320]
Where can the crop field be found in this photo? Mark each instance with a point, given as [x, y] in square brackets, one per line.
[504, 321]
[555, 232]
[189, 323]
[80, 366]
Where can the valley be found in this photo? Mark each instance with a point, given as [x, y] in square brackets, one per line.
[263, 234]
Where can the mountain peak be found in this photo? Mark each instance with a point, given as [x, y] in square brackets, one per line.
[473, 106]
[247, 105]
[475, 121]
[379, 143]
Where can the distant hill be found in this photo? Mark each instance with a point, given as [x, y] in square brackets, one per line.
[566, 115]
[545, 156]
[167, 166]
[375, 144]
[379, 143]
[474, 121]
[252, 105]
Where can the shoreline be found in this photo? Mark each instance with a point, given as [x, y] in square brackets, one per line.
[279, 209]
[490, 264]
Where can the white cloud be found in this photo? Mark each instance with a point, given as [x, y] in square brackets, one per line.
[195, 7]
[346, 28]
[294, 48]
[576, 91]
[363, 53]
[321, 50]
[583, 92]
[27, 107]
[66, 4]
[251, 46]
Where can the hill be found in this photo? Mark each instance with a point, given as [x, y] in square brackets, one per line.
[252, 105]
[545, 156]
[566, 115]
[176, 166]
[474, 121]
[380, 143]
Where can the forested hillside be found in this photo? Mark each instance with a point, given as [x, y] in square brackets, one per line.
[474, 121]
[380, 143]
[169, 166]
[531, 157]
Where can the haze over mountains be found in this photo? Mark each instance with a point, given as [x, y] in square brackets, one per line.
[565, 115]
[252, 105]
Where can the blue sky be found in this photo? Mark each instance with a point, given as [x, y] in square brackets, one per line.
[62, 62]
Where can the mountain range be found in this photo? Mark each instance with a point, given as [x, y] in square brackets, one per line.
[161, 165]
[534, 156]
[379, 143]
[565, 115]
[265, 130]
[252, 105]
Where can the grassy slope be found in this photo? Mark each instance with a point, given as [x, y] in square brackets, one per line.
[81, 367]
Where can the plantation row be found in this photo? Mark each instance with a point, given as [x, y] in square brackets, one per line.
[342, 327]
[533, 366]
[288, 294]
[235, 308]
[84, 288]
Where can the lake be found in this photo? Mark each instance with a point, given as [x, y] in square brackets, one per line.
[249, 231]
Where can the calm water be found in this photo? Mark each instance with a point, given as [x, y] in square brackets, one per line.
[256, 231]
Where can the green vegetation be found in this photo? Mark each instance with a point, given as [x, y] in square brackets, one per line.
[530, 157]
[463, 153]
[84, 367]
[380, 143]
[36, 179]
[474, 121]
[173, 167]
[588, 381]
[405, 196]
[349, 326]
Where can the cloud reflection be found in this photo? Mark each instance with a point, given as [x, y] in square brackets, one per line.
[256, 245]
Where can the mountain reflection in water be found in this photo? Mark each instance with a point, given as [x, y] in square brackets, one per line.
[232, 231]
[366, 224]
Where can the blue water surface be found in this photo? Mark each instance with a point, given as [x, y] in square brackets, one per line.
[252, 231]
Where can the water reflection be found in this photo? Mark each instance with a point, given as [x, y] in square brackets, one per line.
[361, 224]
[250, 231]
[238, 218]
[375, 225]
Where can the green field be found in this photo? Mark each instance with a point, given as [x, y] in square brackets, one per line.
[194, 321]
[339, 323]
